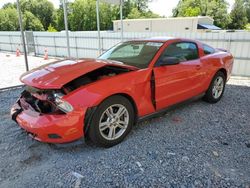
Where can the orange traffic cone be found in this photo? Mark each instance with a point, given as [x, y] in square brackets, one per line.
[46, 54]
[17, 52]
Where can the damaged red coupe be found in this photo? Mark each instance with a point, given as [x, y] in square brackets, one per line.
[103, 98]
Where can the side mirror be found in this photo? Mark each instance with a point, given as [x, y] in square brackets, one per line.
[169, 61]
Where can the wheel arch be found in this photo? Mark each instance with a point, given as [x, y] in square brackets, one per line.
[91, 110]
[224, 71]
[131, 100]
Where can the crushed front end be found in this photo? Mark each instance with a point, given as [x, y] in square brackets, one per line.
[48, 109]
[47, 116]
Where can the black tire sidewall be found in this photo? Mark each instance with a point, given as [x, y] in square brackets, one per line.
[94, 132]
[209, 94]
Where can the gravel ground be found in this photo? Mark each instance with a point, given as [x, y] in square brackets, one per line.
[195, 145]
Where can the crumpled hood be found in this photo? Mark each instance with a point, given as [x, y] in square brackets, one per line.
[57, 74]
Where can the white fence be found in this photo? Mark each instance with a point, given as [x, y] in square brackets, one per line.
[85, 44]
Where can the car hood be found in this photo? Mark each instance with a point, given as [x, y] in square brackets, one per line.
[55, 75]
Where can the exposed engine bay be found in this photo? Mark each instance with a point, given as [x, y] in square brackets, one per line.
[48, 101]
[98, 74]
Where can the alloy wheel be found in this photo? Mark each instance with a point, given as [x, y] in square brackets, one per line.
[114, 122]
[218, 87]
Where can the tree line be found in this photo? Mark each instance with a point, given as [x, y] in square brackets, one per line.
[41, 15]
[238, 18]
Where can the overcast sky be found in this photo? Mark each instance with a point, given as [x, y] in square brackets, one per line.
[162, 7]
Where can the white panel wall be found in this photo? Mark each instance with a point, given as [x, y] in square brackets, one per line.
[158, 25]
[85, 44]
[174, 25]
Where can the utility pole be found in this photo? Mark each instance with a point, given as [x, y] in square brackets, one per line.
[22, 33]
[98, 26]
[121, 4]
[66, 26]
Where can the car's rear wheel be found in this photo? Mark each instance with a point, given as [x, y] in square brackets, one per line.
[112, 121]
[216, 88]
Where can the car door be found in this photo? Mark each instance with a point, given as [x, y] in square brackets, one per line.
[178, 82]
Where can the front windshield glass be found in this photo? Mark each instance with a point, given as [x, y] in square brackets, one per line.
[134, 53]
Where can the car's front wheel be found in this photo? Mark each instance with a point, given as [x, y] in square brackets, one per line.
[112, 121]
[216, 88]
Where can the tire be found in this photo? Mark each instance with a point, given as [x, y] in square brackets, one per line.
[107, 128]
[211, 96]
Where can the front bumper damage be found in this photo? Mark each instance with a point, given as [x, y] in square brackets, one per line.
[50, 128]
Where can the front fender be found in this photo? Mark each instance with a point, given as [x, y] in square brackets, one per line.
[135, 84]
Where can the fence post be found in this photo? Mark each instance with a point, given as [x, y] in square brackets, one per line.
[54, 40]
[76, 47]
[10, 43]
[34, 45]
[229, 43]
[102, 46]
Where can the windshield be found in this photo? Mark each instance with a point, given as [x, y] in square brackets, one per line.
[134, 53]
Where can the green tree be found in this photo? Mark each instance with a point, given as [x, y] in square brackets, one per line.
[248, 27]
[82, 15]
[138, 9]
[187, 8]
[141, 5]
[217, 9]
[8, 5]
[247, 6]
[135, 14]
[41, 15]
[31, 22]
[8, 19]
[51, 29]
[238, 15]
[150, 14]
[127, 7]
[108, 13]
[42, 9]
[59, 18]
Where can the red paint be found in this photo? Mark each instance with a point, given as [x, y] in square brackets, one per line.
[55, 75]
[173, 84]
[69, 127]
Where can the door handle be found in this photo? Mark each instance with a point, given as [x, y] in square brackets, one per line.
[198, 67]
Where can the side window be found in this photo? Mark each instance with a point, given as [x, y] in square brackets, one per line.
[207, 49]
[184, 51]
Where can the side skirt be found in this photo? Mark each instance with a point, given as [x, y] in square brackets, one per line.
[163, 111]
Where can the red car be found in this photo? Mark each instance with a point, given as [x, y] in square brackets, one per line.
[103, 98]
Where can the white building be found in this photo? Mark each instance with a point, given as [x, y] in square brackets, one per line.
[178, 24]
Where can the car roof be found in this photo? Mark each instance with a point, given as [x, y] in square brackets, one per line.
[162, 39]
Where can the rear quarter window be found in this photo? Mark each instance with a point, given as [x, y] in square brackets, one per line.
[208, 50]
